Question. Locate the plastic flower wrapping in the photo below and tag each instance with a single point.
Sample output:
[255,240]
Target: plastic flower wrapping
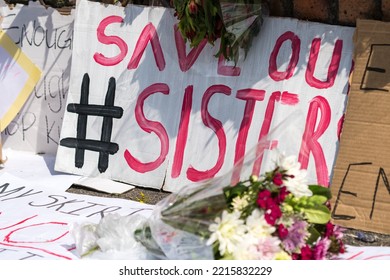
[274,216]
[235,23]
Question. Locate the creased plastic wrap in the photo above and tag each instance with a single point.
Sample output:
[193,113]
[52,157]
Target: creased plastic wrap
[179,225]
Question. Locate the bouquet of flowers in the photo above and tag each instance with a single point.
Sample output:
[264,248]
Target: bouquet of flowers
[234,23]
[273,217]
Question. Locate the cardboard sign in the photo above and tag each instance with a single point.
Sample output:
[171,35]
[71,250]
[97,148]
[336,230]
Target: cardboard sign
[18,76]
[45,37]
[360,186]
[39,229]
[145,109]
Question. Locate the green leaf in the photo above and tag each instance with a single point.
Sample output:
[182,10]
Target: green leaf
[234,191]
[318,215]
[314,235]
[320,190]
[317,199]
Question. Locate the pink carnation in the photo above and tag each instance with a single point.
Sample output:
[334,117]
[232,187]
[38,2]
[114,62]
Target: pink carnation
[321,248]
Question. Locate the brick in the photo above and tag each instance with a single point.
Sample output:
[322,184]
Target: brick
[313,10]
[349,11]
[386,10]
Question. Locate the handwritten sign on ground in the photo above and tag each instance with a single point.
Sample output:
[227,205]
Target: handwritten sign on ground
[360,186]
[145,109]
[45,37]
[18,76]
[39,229]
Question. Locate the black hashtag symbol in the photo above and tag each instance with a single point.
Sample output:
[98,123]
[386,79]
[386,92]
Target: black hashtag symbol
[107,111]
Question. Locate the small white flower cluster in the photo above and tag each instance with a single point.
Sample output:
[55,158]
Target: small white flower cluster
[245,240]
[294,177]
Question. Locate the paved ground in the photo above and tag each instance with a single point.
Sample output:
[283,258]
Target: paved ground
[351,236]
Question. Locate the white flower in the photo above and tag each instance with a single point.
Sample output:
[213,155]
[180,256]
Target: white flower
[257,226]
[245,250]
[239,203]
[294,178]
[228,231]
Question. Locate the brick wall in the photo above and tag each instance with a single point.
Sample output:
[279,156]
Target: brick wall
[342,12]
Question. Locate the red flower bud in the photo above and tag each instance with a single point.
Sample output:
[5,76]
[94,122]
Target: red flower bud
[283,193]
[277,180]
[192,7]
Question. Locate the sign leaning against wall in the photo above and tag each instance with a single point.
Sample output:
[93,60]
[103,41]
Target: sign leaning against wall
[145,109]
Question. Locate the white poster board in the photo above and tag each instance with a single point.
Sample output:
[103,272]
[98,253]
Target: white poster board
[45,36]
[40,228]
[145,109]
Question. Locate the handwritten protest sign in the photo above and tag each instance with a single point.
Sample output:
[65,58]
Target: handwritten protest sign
[360,186]
[145,109]
[18,76]
[39,229]
[45,37]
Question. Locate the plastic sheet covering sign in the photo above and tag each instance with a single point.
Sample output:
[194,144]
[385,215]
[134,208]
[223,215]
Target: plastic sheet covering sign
[145,109]
[18,76]
[361,188]
[45,36]
[40,228]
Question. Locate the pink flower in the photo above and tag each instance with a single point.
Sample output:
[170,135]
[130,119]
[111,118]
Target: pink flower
[267,247]
[296,236]
[333,230]
[321,248]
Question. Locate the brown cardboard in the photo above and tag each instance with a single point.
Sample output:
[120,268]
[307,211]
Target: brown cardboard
[360,184]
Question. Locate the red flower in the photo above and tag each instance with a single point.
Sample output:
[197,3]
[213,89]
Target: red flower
[283,193]
[295,256]
[329,229]
[277,180]
[264,199]
[282,231]
[272,214]
[306,253]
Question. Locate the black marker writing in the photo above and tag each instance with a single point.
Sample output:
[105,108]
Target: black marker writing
[107,111]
